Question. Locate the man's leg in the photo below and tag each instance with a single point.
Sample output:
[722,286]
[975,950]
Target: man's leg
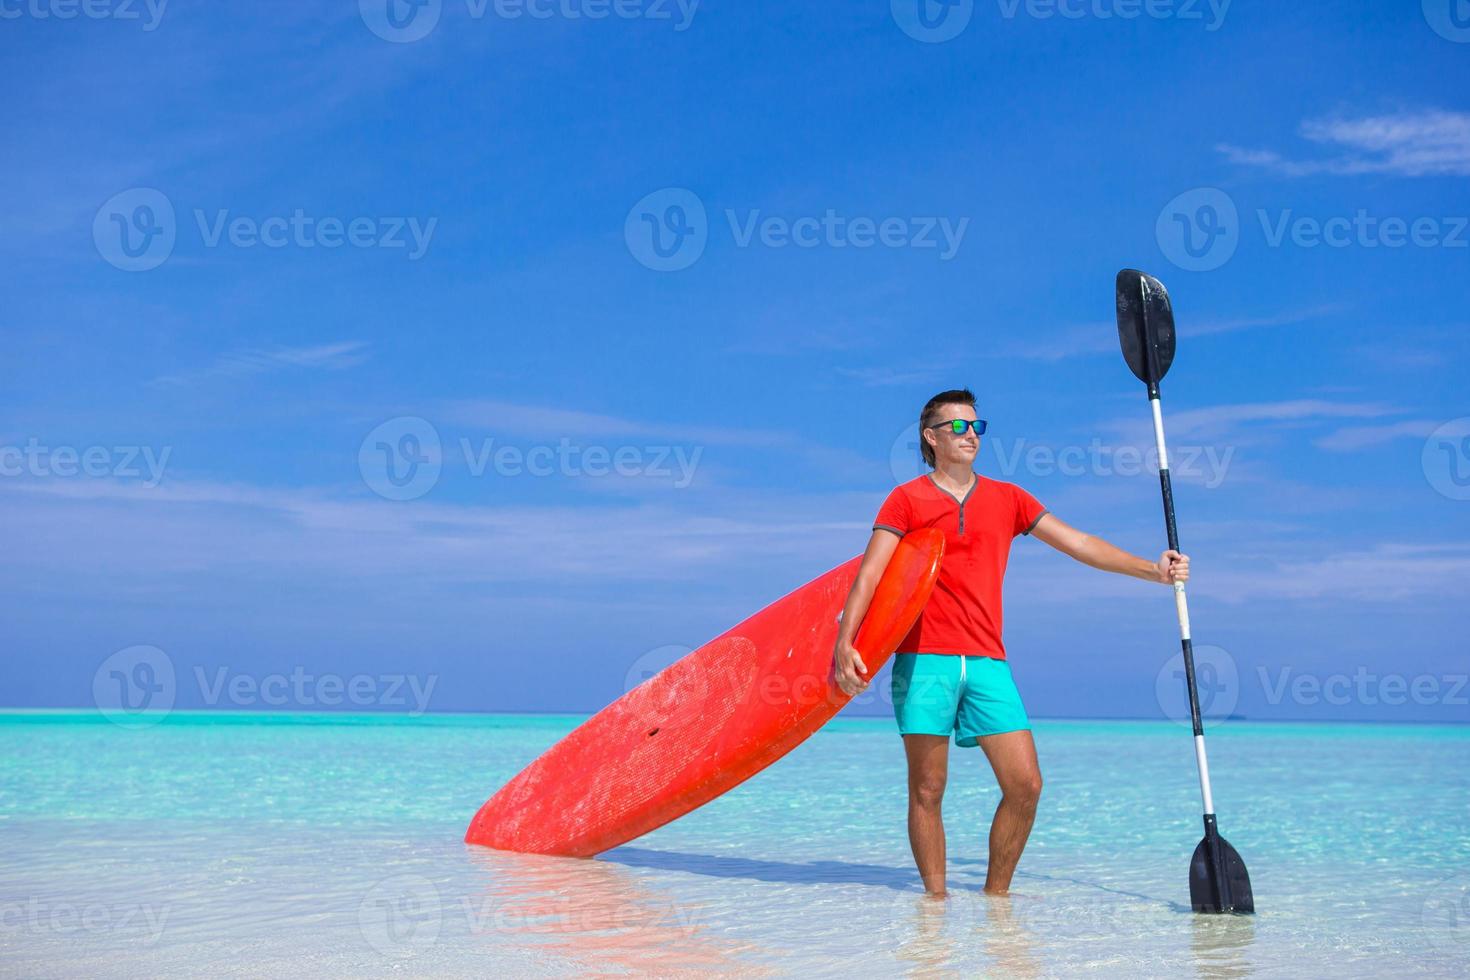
[1013,757]
[928,757]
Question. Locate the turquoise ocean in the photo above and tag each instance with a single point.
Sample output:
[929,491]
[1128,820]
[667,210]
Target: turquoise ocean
[259,845]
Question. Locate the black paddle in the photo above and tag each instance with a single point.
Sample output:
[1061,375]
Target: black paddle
[1218,881]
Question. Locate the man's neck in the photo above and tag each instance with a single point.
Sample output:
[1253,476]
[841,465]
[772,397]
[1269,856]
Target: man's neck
[954,477]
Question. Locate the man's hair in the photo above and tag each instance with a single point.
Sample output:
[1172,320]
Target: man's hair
[930,415]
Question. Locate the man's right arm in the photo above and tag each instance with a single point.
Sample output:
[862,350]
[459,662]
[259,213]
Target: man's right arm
[849,662]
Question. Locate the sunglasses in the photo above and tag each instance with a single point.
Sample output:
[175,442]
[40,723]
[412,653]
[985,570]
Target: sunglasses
[958,426]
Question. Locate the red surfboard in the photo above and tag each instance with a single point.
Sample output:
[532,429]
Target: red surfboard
[708,722]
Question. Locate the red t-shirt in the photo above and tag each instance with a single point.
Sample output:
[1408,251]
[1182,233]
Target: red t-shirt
[963,615]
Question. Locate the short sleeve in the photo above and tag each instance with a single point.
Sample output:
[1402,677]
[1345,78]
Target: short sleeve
[1028,511]
[896,514]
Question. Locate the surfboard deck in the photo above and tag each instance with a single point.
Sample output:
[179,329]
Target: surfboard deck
[708,722]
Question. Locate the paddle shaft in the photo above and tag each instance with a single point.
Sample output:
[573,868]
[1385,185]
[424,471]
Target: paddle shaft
[1181,606]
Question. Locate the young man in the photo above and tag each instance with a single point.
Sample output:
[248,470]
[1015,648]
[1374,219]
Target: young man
[950,673]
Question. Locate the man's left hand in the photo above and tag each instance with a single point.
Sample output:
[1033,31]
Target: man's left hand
[1173,566]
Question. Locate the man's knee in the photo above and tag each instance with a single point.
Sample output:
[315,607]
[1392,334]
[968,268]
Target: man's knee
[1025,790]
[927,791]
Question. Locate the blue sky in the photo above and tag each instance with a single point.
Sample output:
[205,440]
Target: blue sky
[449,219]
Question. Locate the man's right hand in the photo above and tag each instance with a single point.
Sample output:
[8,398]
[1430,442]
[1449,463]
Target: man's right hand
[851,670]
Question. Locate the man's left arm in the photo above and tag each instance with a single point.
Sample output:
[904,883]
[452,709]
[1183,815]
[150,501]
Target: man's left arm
[1091,550]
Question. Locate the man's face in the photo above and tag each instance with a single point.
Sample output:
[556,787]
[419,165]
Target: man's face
[948,446]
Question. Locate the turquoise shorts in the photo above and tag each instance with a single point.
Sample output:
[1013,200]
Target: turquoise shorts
[939,693]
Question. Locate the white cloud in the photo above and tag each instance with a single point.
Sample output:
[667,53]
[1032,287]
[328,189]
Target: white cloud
[1409,144]
[1351,438]
[328,357]
[1390,572]
[1228,421]
[1102,336]
[121,531]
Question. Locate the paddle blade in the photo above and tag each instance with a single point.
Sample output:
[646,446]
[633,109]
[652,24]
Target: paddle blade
[1208,895]
[1145,325]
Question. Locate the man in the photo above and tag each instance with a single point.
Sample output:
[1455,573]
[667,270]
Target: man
[950,673]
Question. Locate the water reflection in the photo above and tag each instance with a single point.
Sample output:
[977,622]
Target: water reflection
[595,913]
[1219,944]
[1008,942]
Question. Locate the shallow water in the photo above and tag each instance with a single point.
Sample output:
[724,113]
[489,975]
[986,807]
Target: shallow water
[330,845]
